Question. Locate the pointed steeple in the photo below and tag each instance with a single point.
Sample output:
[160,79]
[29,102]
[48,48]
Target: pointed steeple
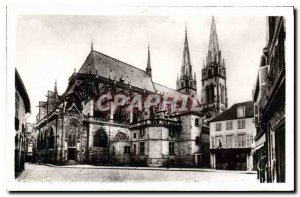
[92,46]
[186,69]
[55,87]
[213,46]
[186,83]
[148,69]
[214,53]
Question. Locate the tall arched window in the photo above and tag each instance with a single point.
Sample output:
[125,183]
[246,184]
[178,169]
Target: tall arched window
[51,139]
[222,94]
[207,94]
[38,146]
[72,135]
[100,138]
[209,73]
[44,139]
[41,142]
[212,93]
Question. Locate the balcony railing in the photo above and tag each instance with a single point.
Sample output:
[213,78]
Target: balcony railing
[105,120]
[156,122]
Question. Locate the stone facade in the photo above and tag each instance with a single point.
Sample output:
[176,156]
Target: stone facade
[269,103]
[231,138]
[22,107]
[71,129]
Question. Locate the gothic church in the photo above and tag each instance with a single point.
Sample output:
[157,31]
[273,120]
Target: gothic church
[70,129]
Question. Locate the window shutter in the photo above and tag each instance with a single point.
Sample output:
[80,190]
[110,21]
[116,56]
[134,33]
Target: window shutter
[223,141]
[235,142]
[175,147]
[247,140]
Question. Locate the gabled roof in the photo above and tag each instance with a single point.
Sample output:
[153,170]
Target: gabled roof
[231,113]
[108,67]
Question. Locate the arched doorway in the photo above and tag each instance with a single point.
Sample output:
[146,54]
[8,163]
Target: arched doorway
[100,144]
[72,136]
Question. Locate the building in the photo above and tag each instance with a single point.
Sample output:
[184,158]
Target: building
[71,128]
[22,108]
[29,142]
[269,104]
[214,89]
[231,138]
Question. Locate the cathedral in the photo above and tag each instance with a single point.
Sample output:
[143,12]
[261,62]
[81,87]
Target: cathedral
[70,128]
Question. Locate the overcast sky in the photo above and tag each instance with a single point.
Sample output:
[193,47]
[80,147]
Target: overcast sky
[49,48]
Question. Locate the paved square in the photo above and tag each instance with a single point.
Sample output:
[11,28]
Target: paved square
[86,173]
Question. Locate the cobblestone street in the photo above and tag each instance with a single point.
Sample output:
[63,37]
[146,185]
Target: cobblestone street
[87,173]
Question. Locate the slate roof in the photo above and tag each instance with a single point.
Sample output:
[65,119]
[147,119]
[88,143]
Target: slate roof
[108,67]
[164,90]
[231,113]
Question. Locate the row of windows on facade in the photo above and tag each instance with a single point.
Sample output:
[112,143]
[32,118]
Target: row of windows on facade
[172,131]
[127,149]
[240,141]
[229,125]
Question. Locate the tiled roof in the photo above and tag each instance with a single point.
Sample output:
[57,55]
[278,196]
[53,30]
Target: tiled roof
[231,113]
[112,68]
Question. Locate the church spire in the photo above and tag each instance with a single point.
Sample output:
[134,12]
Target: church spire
[186,83]
[148,69]
[186,69]
[214,54]
[55,87]
[213,38]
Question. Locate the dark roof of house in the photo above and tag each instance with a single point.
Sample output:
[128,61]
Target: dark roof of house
[231,113]
[22,91]
[108,67]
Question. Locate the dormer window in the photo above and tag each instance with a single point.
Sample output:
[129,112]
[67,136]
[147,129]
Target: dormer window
[241,112]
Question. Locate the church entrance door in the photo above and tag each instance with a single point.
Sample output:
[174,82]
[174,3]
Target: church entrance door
[71,153]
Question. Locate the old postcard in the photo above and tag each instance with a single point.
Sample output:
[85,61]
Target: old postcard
[150,98]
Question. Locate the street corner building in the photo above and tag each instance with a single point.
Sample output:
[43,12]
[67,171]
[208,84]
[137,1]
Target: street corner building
[231,138]
[22,108]
[269,105]
[70,129]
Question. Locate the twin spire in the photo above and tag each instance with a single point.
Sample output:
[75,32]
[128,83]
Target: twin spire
[186,69]
[213,46]
[214,53]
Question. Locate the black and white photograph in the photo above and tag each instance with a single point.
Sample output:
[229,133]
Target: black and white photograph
[150,99]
